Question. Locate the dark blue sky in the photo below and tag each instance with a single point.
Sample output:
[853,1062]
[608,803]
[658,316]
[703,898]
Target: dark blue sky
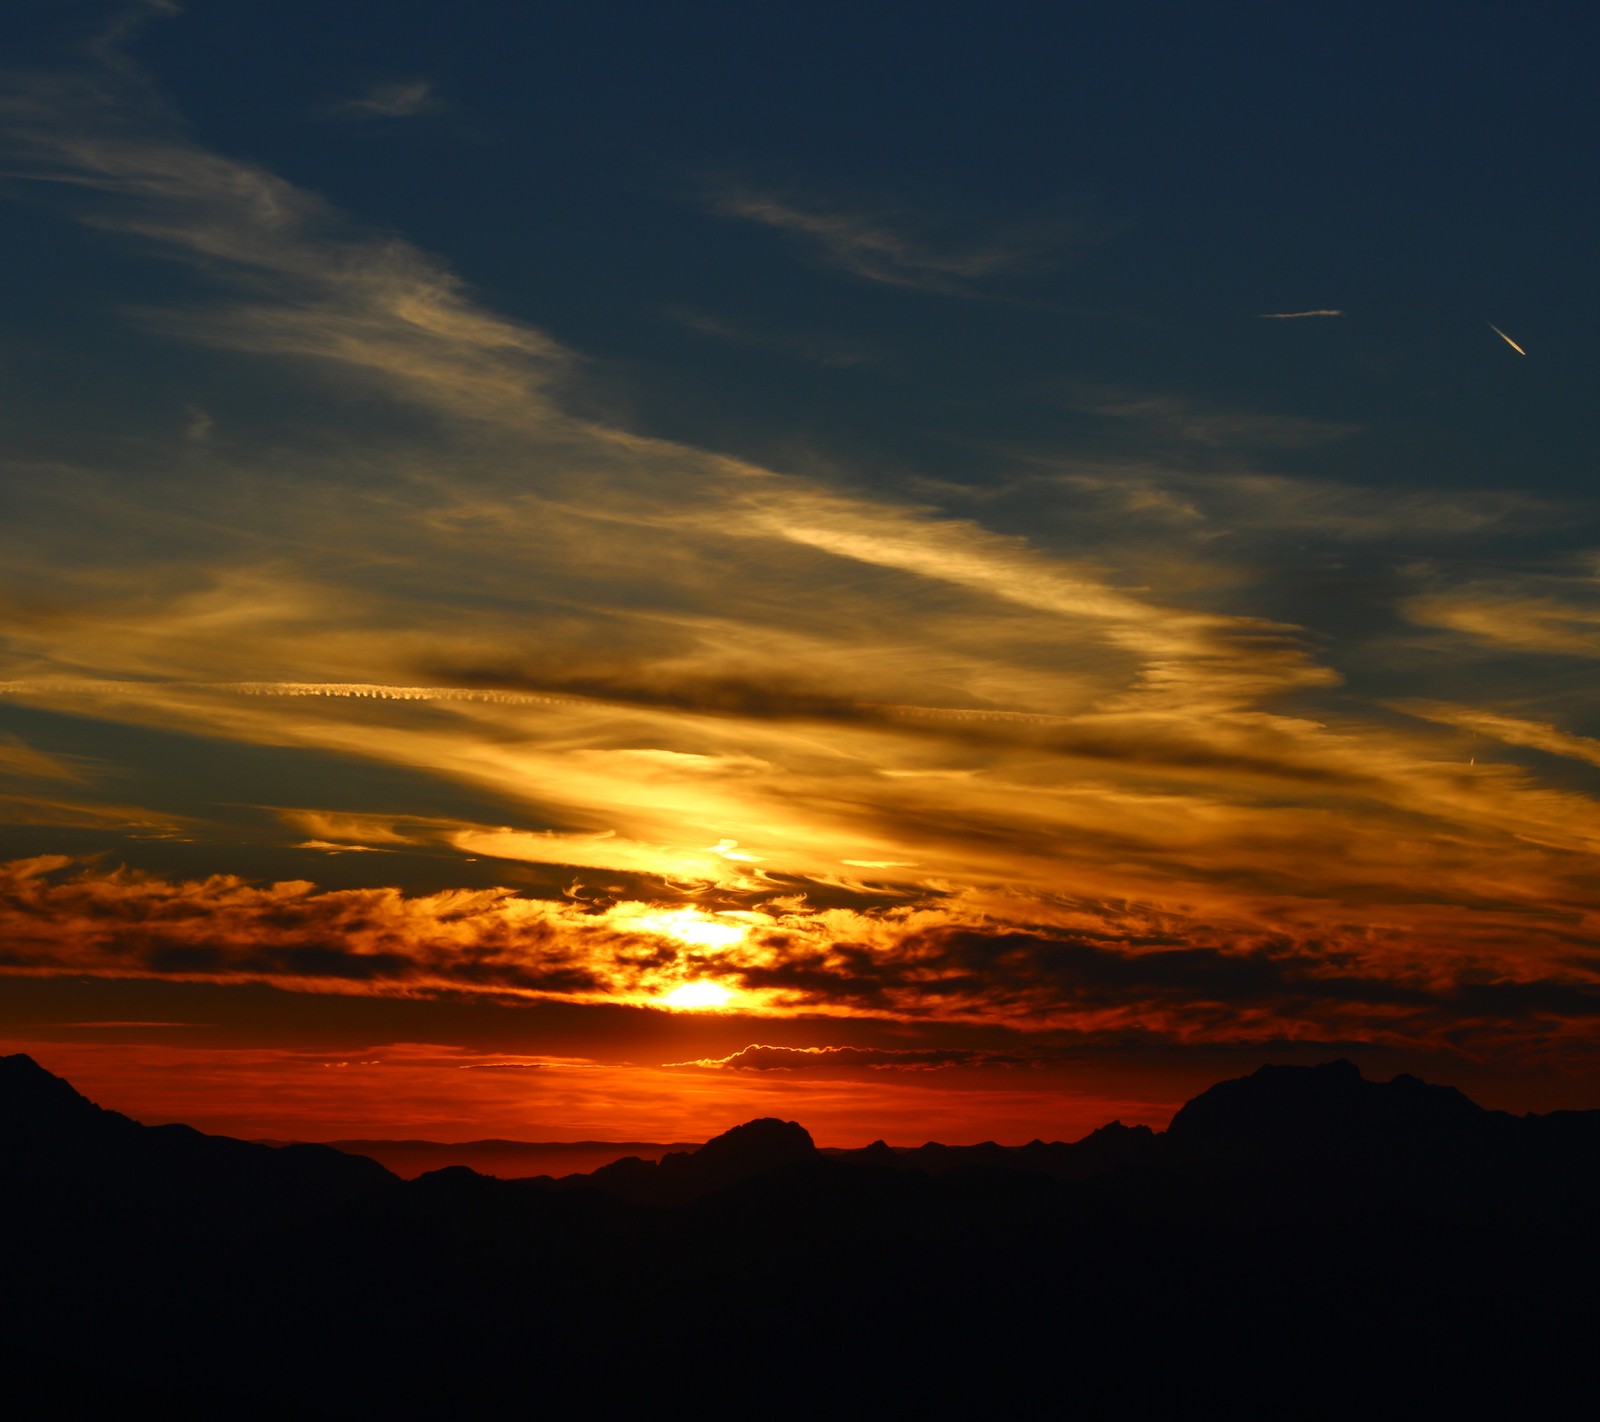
[1162,174]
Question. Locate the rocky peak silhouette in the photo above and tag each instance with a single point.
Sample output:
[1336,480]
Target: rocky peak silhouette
[1329,1112]
[62,1142]
[735,1156]
[36,1105]
[762,1144]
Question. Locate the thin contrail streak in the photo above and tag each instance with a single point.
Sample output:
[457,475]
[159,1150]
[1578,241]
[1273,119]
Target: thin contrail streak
[369,691]
[375,691]
[1507,339]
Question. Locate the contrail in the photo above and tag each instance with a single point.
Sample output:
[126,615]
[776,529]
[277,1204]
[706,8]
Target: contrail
[367,691]
[1507,339]
[1295,315]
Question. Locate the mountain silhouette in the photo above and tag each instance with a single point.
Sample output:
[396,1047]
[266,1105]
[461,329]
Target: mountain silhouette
[56,1138]
[1299,1241]
[1111,1147]
[509,1160]
[1322,1112]
[40,1109]
[735,1156]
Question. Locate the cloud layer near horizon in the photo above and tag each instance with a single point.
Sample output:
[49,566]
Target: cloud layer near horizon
[1098,972]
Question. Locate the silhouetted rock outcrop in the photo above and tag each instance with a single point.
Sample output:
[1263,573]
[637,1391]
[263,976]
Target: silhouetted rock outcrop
[1326,1113]
[39,1109]
[735,1156]
[57,1140]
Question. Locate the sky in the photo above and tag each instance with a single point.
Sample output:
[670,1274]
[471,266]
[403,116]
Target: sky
[596,571]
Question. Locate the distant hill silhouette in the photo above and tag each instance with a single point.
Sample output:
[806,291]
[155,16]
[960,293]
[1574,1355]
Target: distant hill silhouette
[1323,1113]
[576,1163]
[740,1154]
[1300,1242]
[508,1160]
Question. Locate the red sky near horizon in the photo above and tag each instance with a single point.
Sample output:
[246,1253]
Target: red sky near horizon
[520,628]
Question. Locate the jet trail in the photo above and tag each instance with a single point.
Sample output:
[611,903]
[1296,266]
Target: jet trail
[1507,339]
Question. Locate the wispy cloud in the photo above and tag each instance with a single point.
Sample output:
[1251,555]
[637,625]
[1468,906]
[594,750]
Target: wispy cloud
[20,760]
[395,99]
[812,347]
[887,248]
[757,1057]
[1533,617]
[109,43]
[1511,730]
[314,286]
[1135,498]
[1297,315]
[1175,417]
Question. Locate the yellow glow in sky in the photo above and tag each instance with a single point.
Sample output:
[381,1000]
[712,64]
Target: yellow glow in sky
[690,926]
[698,997]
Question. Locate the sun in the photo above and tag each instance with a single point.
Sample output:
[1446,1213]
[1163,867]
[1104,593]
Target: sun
[698,997]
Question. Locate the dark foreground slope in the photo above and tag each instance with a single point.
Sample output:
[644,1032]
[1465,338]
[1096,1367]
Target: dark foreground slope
[1300,1242]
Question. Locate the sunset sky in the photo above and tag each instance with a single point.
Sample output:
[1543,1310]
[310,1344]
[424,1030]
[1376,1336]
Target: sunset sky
[596,571]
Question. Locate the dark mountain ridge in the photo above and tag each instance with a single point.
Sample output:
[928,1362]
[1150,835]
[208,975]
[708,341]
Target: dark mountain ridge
[51,1136]
[1279,1113]
[1298,1240]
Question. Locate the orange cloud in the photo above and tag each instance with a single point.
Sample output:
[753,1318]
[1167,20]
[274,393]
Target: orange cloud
[834,1059]
[1098,972]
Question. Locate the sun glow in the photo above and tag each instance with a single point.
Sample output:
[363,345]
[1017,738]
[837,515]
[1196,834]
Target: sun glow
[698,997]
[691,927]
